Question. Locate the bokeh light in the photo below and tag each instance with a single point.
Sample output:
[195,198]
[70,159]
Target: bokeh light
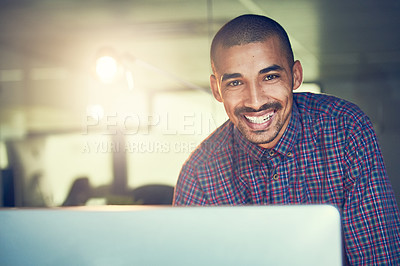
[106,69]
[95,111]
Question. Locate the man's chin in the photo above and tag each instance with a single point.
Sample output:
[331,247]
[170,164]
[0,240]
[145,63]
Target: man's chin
[258,141]
[258,137]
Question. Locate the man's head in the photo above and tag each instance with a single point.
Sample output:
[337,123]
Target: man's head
[247,29]
[254,75]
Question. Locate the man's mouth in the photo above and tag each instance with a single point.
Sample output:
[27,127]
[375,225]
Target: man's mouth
[259,119]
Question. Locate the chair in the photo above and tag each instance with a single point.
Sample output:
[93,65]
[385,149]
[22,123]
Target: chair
[155,194]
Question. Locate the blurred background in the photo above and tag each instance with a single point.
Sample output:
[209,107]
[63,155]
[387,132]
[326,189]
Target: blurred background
[102,101]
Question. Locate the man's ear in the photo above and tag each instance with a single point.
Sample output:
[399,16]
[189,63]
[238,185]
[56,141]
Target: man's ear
[297,74]
[215,88]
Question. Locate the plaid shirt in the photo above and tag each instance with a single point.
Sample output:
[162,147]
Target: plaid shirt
[328,154]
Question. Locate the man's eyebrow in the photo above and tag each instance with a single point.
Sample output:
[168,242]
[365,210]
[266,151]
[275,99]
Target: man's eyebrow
[230,76]
[270,68]
[274,67]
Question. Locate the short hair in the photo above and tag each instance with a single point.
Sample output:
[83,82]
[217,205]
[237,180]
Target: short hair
[247,29]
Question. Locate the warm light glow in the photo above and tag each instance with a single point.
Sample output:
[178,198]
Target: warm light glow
[129,80]
[106,68]
[95,111]
[3,156]
[309,87]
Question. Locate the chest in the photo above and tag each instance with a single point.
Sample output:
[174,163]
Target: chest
[309,174]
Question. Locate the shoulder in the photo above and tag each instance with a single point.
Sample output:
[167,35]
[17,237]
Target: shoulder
[327,106]
[215,145]
[188,190]
[332,116]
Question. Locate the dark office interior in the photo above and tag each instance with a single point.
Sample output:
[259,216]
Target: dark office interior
[70,139]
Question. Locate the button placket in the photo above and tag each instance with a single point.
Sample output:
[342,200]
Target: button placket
[275,177]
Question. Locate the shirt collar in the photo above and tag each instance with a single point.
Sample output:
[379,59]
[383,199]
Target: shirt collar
[291,135]
[248,147]
[285,145]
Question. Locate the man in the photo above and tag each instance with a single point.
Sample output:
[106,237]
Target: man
[283,148]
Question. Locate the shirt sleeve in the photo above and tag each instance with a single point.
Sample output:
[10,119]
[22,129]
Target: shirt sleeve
[188,191]
[371,223]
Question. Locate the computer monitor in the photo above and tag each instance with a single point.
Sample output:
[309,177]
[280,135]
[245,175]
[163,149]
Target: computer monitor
[245,235]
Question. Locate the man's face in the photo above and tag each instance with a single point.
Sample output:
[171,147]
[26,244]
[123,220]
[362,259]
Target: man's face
[255,83]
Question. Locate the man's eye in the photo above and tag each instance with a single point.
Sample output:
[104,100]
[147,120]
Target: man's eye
[234,83]
[271,77]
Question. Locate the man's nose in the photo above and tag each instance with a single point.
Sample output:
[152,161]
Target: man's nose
[253,97]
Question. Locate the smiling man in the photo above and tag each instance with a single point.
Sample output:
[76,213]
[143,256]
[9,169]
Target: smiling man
[255,83]
[283,148]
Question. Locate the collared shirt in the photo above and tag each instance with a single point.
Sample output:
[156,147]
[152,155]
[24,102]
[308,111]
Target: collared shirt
[328,154]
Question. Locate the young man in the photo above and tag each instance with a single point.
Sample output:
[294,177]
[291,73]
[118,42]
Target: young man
[283,148]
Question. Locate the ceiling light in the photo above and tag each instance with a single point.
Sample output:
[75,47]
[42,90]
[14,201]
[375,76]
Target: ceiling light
[106,68]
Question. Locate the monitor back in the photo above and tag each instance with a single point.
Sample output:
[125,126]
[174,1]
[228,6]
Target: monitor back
[263,235]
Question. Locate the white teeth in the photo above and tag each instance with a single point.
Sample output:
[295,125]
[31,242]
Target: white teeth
[258,119]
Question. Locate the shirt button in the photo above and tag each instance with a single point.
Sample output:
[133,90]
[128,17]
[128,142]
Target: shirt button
[271,153]
[290,154]
[275,177]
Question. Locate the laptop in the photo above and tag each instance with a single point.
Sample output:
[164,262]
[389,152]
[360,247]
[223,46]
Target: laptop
[243,235]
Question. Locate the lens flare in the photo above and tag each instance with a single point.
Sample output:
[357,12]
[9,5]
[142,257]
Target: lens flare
[106,69]
[95,111]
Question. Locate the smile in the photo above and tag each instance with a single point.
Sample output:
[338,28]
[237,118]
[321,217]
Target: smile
[259,119]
